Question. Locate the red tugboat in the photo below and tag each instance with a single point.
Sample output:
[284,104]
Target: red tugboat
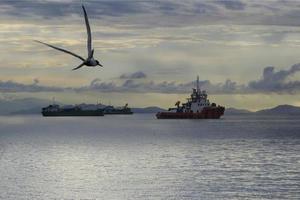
[196,107]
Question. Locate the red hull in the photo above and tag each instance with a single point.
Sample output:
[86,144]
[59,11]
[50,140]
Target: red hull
[207,113]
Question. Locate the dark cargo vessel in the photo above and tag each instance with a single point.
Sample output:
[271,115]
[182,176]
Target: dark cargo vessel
[57,111]
[110,110]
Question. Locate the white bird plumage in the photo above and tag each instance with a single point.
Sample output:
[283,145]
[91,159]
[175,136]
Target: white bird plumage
[89,61]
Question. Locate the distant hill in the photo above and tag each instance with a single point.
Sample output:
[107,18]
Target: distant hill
[34,105]
[280,110]
[152,109]
[31,111]
[22,106]
[36,110]
[235,111]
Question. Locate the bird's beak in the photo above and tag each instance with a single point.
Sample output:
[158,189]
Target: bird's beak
[100,65]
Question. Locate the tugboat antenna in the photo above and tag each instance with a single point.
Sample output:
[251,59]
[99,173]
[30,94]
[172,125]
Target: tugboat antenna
[198,87]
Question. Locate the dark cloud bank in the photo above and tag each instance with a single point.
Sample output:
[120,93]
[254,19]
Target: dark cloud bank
[136,75]
[271,82]
[160,13]
[14,87]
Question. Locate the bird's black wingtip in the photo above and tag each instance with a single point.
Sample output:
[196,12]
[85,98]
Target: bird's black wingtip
[38,41]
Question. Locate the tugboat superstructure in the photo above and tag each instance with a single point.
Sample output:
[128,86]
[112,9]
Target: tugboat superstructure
[196,107]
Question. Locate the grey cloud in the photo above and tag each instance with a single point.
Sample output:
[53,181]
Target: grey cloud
[170,87]
[135,75]
[166,13]
[54,9]
[274,38]
[97,84]
[45,9]
[232,4]
[273,81]
[145,14]
[14,87]
[120,8]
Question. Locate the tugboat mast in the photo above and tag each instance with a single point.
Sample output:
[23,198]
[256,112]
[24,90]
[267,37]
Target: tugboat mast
[198,87]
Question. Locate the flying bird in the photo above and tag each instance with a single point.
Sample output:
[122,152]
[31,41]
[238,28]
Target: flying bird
[89,61]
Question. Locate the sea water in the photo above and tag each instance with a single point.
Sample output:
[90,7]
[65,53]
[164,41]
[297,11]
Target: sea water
[140,157]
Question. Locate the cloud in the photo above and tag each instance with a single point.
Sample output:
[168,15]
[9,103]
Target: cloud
[127,24]
[145,14]
[271,82]
[135,75]
[97,84]
[232,4]
[129,85]
[55,9]
[29,9]
[278,82]
[169,87]
[14,87]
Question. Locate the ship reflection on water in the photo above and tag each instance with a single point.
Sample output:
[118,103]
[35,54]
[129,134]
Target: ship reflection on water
[139,157]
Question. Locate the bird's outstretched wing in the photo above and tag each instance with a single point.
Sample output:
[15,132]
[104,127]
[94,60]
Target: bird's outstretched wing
[88,29]
[60,49]
[81,65]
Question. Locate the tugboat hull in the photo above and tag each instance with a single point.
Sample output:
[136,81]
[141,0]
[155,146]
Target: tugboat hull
[206,113]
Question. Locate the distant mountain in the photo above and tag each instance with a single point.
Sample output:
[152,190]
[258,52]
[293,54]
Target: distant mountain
[36,110]
[152,109]
[30,111]
[34,105]
[22,106]
[235,111]
[280,110]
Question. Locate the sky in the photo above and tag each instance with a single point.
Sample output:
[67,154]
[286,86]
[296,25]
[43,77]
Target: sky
[246,53]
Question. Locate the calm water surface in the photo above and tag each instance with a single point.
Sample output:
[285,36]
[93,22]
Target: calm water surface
[139,157]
